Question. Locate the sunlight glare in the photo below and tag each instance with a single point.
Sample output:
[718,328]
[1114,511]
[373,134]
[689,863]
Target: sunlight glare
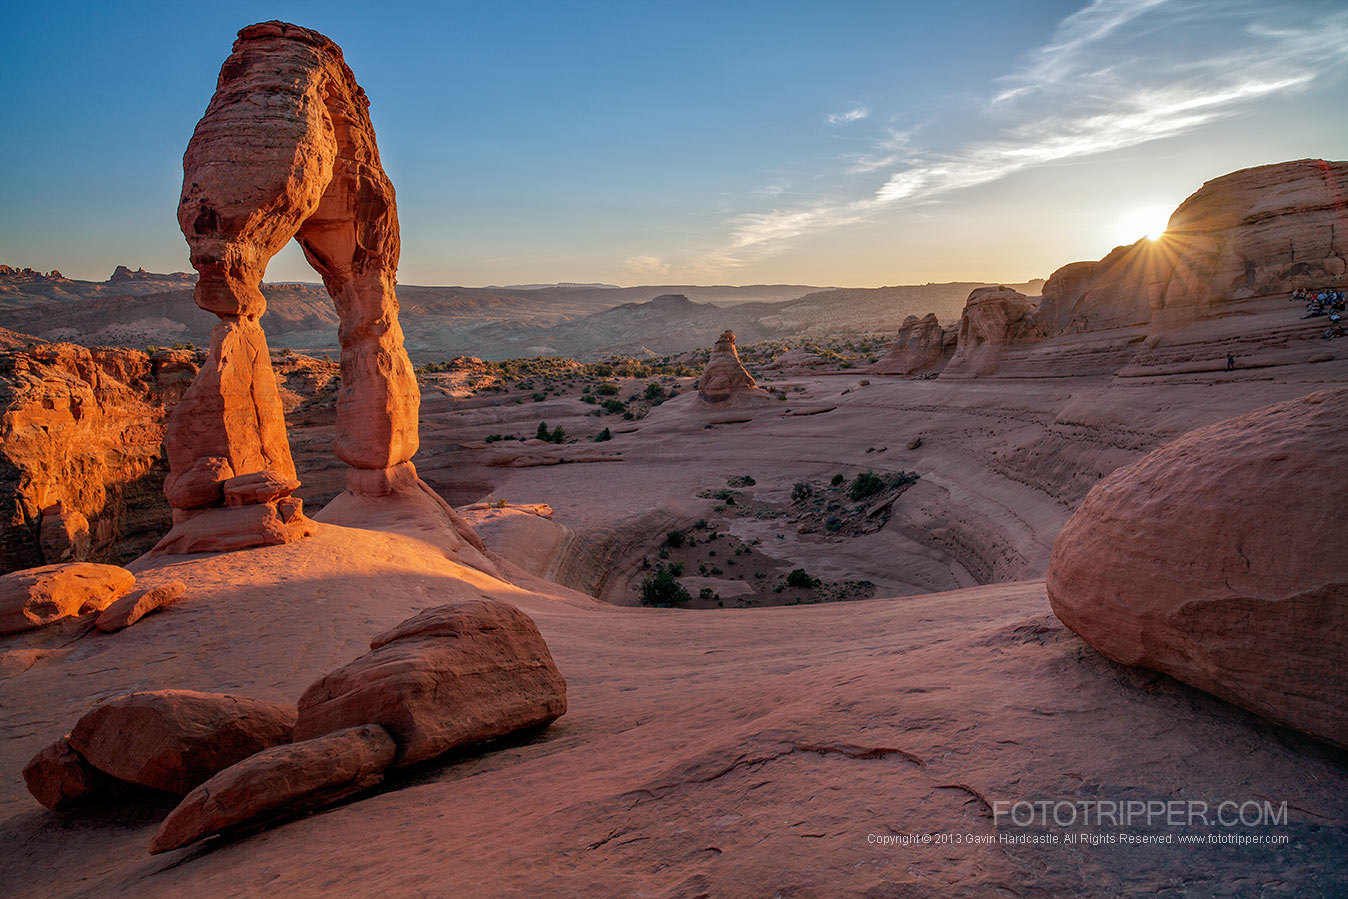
[1145,221]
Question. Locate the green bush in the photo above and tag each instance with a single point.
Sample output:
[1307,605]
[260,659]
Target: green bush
[603,435]
[614,406]
[743,480]
[608,388]
[800,578]
[654,391]
[663,589]
[802,491]
[866,484]
[837,479]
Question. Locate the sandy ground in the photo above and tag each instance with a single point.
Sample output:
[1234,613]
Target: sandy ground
[729,752]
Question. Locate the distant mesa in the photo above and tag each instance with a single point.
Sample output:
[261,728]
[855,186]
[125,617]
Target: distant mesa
[725,380]
[1214,559]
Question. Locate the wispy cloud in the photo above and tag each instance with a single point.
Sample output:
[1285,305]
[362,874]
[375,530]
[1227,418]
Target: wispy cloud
[1115,74]
[647,266]
[855,114]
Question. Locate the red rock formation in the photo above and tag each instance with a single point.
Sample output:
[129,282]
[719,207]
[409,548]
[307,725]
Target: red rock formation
[921,345]
[259,171]
[136,605]
[1258,231]
[995,317]
[281,782]
[1217,560]
[452,676]
[59,777]
[81,433]
[36,596]
[173,740]
[725,378]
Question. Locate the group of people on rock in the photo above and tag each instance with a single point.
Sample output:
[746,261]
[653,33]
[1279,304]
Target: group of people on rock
[1328,302]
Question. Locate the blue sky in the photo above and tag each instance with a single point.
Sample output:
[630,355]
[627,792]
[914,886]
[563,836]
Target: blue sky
[843,143]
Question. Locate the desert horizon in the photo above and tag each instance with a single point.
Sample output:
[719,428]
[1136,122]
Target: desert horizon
[322,573]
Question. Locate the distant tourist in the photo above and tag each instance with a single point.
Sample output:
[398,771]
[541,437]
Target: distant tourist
[1230,362]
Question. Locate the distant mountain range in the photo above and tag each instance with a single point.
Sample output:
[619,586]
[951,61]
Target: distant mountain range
[139,308]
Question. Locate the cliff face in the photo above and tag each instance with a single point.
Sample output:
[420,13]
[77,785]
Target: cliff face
[1259,231]
[81,441]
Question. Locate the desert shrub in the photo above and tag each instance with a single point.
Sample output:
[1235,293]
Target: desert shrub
[802,491]
[603,435]
[706,593]
[603,370]
[676,539]
[834,523]
[654,391]
[556,436]
[540,397]
[866,484]
[663,589]
[614,406]
[801,578]
[837,479]
[743,480]
[608,388]
[587,398]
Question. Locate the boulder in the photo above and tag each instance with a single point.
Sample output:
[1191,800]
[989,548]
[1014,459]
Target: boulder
[258,487]
[1217,559]
[452,676]
[137,604]
[280,782]
[59,777]
[37,596]
[173,740]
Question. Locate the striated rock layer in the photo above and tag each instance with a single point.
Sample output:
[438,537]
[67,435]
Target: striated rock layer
[1215,559]
[286,150]
[921,345]
[81,436]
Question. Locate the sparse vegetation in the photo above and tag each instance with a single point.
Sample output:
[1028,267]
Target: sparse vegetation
[741,481]
[663,589]
[865,485]
[603,435]
[799,577]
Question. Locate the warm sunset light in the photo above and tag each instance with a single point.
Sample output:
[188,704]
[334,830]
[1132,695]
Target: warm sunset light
[1145,221]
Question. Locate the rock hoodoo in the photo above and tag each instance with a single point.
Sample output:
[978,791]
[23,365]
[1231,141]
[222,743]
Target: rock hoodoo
[1215,559]
[285,150]
[922,345]
[725,377]
[995,317]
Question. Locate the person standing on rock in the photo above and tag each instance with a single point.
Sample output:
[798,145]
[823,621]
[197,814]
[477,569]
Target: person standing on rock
[1230,362]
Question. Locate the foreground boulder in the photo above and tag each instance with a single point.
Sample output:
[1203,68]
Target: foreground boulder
[37,596]
[281,782]
[59,777]
[173,740]
[452,676]
[1217,559]
[137,604]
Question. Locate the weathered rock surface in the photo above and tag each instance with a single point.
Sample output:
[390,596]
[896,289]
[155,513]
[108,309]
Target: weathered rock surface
[81,433]
[994,318]
[1258,231]
[36,596]
[173,740]
[921,345]
[59,777]
[1215,559]
[725,378]
[452,676]
[137,604]
[281,782]
[230,528]
[286,150]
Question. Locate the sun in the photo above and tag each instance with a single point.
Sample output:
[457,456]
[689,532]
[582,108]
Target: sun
[1144,221]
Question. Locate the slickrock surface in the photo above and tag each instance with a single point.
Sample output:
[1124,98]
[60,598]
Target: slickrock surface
[34,597]
[724,380]
[452,676]
[137,604]
[921,345]
[1216,559]
[81,433]
[281,782]
[172,740]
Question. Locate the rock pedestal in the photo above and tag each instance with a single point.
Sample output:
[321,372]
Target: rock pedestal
[285,150]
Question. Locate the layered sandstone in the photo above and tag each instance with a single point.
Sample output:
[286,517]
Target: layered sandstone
[994,318]
[1216,559]
[81,436]
[286,150]
[725,379]
[1259,231]
[922,345]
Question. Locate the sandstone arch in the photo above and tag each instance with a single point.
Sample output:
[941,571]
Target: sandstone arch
[286,150]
